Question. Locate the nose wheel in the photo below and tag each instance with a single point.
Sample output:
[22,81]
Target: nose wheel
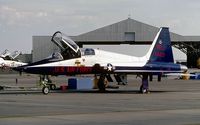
[45,90]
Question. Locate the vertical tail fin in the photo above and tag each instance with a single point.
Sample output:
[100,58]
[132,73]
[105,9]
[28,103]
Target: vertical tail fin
[161,50]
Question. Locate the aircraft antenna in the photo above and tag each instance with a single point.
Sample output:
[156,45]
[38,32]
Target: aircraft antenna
[129,16]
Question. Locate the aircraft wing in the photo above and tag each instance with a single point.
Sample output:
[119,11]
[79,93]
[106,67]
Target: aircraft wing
[179,74]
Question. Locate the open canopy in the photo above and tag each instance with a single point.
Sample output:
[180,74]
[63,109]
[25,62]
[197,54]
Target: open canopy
[63,41]
[69,49]
[14,54]
[5,53]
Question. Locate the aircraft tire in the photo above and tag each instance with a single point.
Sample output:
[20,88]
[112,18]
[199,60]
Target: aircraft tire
[142,90]
[45,90]
[101,84]
[1,87]
[101,87]
[52,86]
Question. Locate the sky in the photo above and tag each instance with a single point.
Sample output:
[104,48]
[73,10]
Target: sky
[22,19]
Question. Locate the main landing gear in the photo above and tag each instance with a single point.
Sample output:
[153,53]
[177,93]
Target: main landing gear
[144,88]
[101,84]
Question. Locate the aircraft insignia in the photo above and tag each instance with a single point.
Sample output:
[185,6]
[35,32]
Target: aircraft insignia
[110,67]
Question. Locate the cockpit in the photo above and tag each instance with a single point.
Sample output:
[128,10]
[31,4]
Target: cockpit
[87,51]
[69,49]
[56,56]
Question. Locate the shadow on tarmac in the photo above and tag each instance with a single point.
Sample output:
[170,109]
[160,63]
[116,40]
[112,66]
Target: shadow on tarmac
[83,91]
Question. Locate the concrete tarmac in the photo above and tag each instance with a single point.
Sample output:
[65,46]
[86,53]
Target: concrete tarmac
[171,102]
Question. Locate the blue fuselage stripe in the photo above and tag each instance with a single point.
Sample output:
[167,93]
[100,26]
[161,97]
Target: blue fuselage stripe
[70,70]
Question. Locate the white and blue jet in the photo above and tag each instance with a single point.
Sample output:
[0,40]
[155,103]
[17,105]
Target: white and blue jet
[73,61]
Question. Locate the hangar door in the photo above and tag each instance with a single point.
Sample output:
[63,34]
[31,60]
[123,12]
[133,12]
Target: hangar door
[129,36]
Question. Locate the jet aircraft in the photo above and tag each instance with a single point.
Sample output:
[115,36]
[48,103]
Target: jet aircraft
[8,60]
[75,61]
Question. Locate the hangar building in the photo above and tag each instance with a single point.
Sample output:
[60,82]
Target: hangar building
[127,31]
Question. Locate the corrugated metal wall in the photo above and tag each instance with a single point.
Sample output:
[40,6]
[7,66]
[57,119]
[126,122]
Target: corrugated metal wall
[42,47]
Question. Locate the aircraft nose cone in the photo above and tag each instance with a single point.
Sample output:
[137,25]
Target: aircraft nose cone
[184,68]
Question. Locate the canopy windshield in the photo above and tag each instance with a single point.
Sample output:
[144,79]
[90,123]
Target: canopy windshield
[63,42]
[5,53]
[69,49]
[14,54]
